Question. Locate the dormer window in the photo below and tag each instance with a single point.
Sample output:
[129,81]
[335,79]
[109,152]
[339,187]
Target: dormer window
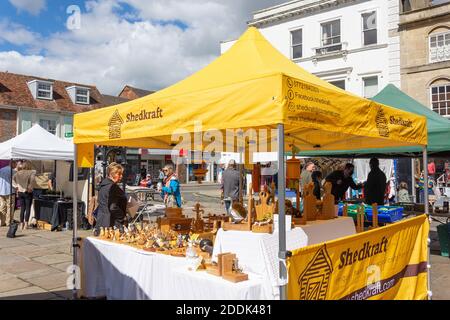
[79,95]
[41,89]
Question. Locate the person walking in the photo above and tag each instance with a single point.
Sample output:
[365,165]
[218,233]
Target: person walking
[23,181]
[170,190]
[341,180]
[375,186]
[230,185]
[7,194]
[112,202]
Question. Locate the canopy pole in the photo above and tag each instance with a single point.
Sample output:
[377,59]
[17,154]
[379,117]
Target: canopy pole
[413,180]
[74,217]
[427,212]
[282,254]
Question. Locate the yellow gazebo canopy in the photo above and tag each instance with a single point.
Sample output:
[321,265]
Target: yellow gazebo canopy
[252,85]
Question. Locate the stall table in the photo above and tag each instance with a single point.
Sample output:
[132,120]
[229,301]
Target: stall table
[56,212]
[258,252]
[118,271]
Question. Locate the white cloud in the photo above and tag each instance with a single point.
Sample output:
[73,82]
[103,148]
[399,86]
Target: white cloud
[111,51]
[16,34]
[33,7]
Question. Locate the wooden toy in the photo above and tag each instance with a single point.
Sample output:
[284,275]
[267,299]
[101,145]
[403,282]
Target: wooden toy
[245,225]
[217,269]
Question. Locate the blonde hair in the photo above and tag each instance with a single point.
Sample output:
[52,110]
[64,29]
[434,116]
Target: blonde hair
[26,165]
[114,168]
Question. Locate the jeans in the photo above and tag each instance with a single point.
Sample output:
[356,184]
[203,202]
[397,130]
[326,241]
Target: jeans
[25,199]
[228,204]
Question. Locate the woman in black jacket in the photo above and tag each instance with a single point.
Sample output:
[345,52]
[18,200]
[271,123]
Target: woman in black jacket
[112,202]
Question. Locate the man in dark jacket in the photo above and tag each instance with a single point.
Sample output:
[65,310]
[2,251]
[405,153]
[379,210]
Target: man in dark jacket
[112,202]
[230,185]
[341,180]
[375,186]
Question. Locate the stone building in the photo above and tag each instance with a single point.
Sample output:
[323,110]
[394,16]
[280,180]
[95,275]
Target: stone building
[424,29]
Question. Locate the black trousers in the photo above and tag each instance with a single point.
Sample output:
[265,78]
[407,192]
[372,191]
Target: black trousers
[25,199]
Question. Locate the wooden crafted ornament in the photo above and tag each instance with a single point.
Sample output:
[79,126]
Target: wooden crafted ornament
[227,269]
[264,209]
[198,224]
[309,203]
[217,270]
[328,208]
[245,225]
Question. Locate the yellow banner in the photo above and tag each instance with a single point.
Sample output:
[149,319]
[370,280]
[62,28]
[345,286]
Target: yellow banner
[382,264]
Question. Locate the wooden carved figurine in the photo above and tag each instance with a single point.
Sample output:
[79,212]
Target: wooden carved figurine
[309,203]
[264,210]
[102,232]
[198,224]
[328,208]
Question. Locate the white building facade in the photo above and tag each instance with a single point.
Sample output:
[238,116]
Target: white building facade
[351,44]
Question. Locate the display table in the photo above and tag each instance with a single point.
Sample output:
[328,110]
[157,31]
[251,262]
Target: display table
[258,253]
[325,230]
[56,212]
[118,271]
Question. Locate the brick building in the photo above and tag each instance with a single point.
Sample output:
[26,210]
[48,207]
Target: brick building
[27,100]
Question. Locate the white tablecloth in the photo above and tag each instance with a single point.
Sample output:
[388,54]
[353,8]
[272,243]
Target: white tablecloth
[122,272]
[325,230]
[258,253]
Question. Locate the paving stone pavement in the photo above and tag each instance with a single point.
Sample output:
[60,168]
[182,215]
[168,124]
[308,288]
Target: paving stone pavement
[33,265]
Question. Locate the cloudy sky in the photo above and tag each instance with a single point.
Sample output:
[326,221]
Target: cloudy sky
[149,44]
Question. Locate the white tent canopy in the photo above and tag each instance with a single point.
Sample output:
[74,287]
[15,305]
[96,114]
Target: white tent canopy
[36,144]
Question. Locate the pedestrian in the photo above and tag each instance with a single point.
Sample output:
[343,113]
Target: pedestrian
[341,180]
[230,185]
[23,181]
[316,177]
[7,194]
[403,194]
[143,172]
[375,186]
[170,190]
[112,202]
[147,182]
[431,169]
[305,176]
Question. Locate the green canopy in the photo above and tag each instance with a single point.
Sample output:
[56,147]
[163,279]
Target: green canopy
[438,130]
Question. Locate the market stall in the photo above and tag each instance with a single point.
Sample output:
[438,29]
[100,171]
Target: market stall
[253,87]
[38,144]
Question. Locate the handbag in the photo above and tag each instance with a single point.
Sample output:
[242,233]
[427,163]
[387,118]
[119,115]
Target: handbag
[12,229]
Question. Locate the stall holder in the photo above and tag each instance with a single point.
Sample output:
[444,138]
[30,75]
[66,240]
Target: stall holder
[237,91]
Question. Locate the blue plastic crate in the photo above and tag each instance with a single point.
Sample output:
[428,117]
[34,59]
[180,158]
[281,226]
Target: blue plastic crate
[392,215]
